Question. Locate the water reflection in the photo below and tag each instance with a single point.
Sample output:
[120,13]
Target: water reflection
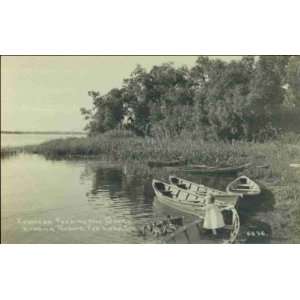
[111,189]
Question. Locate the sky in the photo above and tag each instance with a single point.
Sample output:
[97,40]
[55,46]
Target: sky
[45,93]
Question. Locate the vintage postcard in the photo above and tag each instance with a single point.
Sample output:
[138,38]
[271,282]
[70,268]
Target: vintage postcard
[150,149]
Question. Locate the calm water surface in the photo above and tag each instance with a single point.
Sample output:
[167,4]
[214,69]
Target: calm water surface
[47,201]
[15,140]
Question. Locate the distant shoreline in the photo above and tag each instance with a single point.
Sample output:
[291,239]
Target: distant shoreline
[42,132]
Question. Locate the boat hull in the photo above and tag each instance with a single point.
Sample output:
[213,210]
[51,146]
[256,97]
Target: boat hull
[189,208]
[215,171]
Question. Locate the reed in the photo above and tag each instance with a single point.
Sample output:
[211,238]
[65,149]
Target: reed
[7,152]
[123,146]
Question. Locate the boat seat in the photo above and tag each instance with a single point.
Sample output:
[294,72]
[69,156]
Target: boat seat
[243,187]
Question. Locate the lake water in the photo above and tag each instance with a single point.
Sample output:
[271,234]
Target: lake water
[47,201]
[76,201]
[13,140]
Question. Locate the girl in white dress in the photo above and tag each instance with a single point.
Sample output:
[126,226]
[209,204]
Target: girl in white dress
[213,217]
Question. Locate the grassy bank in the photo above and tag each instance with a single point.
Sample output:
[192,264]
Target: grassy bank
[10,151]
[280,180]
[126,147]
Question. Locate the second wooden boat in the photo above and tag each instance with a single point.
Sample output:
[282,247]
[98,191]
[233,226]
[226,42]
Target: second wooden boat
[203,169]
[243,185]
[181,199]
[230,198]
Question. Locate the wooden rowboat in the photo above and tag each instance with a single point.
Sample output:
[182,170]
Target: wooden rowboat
[201,189]
[170,163]
[243,185]
[182,200]
[193,233]
[203,169]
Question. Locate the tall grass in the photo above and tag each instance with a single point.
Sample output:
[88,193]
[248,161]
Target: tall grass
[9,151]
[124,146]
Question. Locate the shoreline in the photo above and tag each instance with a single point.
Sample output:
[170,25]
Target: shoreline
[281,182]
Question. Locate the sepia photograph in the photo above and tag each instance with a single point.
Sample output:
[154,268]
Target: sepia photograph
[150,149]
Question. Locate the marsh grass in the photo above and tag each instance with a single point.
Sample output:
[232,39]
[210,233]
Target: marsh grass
[7,152]
[129,148]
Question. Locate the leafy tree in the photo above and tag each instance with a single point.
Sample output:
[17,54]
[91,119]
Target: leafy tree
[214,98]
[220,99]
[293,79]
[265,96]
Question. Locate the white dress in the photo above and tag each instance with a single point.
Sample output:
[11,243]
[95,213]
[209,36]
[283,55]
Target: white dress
[213,217]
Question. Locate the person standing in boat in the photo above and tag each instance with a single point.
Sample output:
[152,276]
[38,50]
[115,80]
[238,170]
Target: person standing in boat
[213,219]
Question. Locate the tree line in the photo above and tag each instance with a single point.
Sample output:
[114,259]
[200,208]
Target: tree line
[213,99]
